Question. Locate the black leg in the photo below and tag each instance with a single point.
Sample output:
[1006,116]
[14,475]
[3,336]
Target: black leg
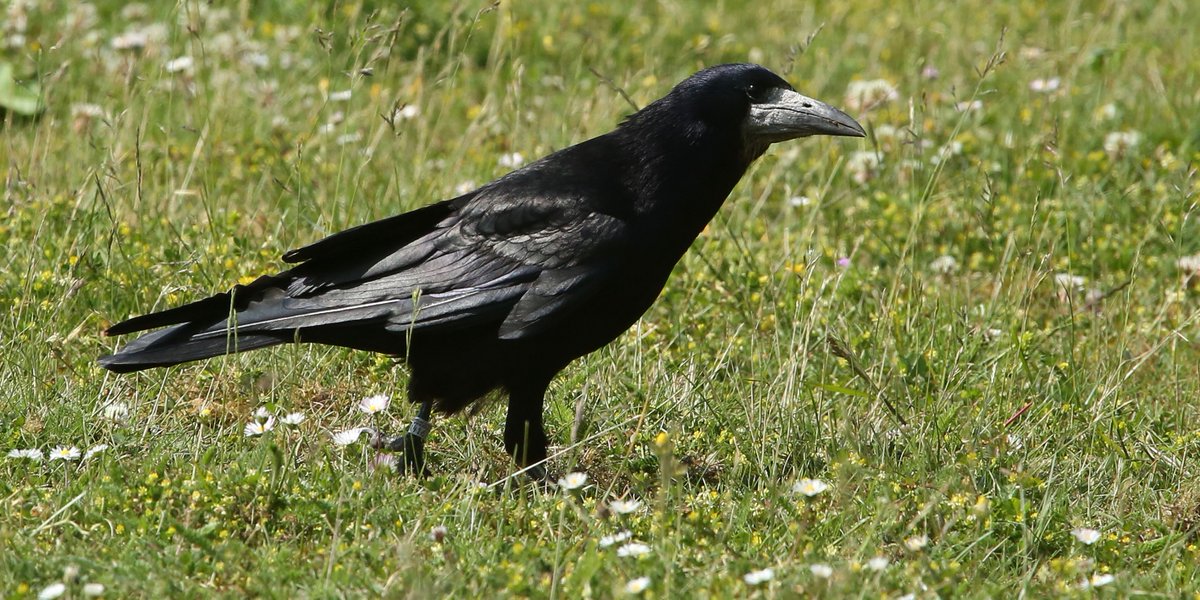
[412,443]
[524,435]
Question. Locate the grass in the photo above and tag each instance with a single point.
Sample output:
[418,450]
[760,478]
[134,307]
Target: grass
[1025,405]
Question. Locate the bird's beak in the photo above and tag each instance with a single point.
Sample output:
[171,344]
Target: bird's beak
[786,115]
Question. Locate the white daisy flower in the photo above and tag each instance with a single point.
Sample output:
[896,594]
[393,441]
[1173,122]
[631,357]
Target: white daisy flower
[261,413]
[31,453]
[878,563]
[759,577]
[821,570]
[863,165]
[341,96]
[798,201]
[810,487]
[1069,282]
[52,591]
[293,419]
[347,437]
[1045,86]
[94,450]
[573,481]
[945,265]
[511,160]
[1086,535]
[348,138]
[1097,580]
[609,540]
[374,404]
[624,507]
[438,533]
[65,453]
[407,112]
[634,549]
[93,589]
[1119,143]
[130,40]
[637,586]
[916,542]
[181,64]
[258,427]
[118,412]
[865,95]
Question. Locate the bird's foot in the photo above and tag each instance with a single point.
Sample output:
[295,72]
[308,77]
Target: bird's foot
[410,447]
[411,450]
[538,474]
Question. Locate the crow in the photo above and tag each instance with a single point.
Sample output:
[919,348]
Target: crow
[501,288]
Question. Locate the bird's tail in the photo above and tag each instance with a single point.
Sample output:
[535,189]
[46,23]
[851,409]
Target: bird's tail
[202,329]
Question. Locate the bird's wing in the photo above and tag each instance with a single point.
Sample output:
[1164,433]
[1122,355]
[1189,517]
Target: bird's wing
[574,246]
[513,258]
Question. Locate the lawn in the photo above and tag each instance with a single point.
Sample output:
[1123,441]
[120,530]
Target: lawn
[958,358]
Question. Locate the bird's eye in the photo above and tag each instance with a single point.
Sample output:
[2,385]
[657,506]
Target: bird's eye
[756,93]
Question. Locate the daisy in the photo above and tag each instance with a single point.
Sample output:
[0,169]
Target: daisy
[821,570]
[810,487]
[1086,535]
[511,160]
[437,534]
[181,64]
[624,507]
[117,412]
[609,540]
[52,591]
[408,112]
[573,481]
[1045,86]
[94,450]
[916,542]
[1097,580]
[374,404]
[261,413]
[347,437]
[130,40]
[293,419]
[65,453]
[31,453]
[863,166]
[878,563]
[945,265]
[92,590]
[1119,143]
[341,96]
[634,549]
[759,577]
[259,427]
[865,95]
[637,586]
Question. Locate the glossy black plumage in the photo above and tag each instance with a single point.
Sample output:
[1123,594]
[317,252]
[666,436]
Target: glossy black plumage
[504,286]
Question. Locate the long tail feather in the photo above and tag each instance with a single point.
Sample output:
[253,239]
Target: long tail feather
[176,345]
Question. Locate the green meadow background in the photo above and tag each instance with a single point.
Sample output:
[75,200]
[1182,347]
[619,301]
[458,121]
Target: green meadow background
[1008,261]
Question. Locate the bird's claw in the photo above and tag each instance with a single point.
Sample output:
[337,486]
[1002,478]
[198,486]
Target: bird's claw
[411,450]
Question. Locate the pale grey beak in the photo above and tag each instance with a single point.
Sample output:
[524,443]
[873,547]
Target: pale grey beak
[785,115]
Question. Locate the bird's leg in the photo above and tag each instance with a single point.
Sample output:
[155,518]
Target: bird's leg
[412,443]
[524,435]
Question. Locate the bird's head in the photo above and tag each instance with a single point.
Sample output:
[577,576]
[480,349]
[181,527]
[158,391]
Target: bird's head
[764,106]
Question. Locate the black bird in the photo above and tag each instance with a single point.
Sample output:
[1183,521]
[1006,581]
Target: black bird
[502,287]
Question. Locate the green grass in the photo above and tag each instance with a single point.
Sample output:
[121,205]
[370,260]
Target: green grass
[1029,411]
